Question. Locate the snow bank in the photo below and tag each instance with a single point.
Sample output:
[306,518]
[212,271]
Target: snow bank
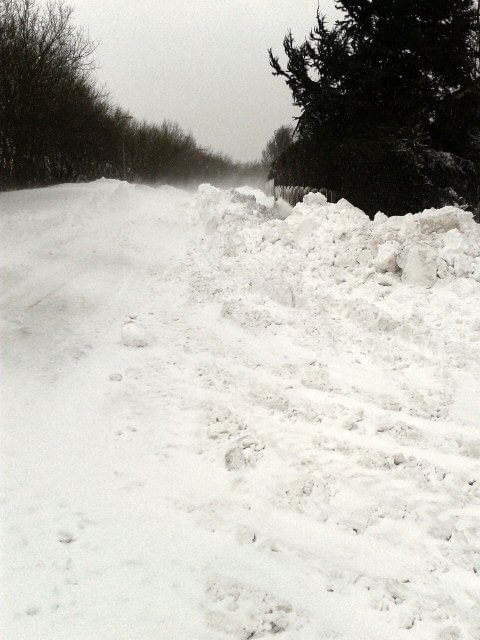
[420,249]
[373,406]
[323,250]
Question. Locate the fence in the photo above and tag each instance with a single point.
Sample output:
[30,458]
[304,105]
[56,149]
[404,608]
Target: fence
[293,195]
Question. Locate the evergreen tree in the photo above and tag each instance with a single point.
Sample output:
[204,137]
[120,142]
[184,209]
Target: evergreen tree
[389,100]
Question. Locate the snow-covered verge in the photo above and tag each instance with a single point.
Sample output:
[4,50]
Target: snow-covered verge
[221,425]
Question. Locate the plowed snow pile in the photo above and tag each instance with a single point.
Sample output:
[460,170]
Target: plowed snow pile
[222,425]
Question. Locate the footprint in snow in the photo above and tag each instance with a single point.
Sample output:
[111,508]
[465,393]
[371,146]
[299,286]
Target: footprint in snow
[243,612]
[246,535]
[244,453]
[65,537]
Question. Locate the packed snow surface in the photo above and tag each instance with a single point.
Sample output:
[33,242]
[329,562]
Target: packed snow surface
[219,424]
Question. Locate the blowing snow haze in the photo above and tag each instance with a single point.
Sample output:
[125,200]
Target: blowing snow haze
[203,64]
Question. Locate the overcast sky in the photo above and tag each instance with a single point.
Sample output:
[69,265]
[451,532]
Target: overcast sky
[202,63]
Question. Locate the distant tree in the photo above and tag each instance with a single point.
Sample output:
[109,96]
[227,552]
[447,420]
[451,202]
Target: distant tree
[389,102]
[281,140]
[57,126]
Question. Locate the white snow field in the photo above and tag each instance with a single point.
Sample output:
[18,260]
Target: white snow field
[217,424]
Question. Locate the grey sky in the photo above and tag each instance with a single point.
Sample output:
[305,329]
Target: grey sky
[202,63]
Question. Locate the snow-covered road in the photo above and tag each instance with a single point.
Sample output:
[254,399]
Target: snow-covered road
[294,450]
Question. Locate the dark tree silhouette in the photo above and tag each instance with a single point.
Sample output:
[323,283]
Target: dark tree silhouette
[389,99]
[281,140]
[56,125]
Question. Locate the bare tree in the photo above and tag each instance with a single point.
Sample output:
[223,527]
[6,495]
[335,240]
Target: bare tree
[44,62]
[56,125]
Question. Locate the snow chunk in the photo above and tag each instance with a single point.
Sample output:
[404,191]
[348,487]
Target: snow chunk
[462,265]
[439,220]
[386,259]
[134,335]
[418,264]
[454,245]
[315,198]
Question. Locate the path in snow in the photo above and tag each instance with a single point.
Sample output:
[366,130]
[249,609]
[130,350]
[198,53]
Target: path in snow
[263,465]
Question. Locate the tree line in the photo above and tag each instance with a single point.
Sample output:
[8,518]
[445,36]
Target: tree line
[390,105]
[56,125]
